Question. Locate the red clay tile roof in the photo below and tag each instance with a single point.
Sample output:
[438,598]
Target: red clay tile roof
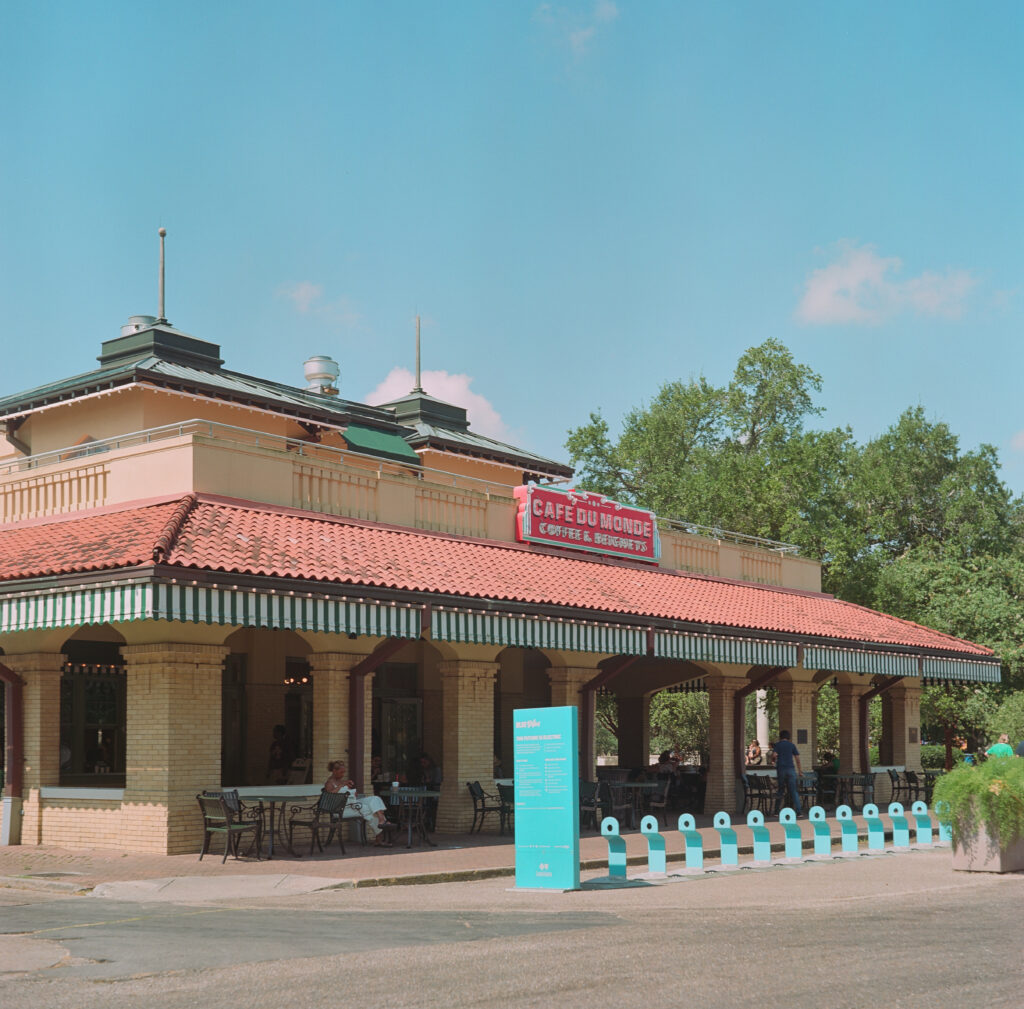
[218,535]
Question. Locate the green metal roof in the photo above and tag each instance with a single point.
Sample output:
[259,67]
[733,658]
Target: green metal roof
[373,442]
[163,356]
[443,425]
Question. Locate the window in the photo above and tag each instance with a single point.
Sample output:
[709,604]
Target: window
[92,715]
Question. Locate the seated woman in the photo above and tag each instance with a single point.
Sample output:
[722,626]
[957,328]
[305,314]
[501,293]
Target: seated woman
[754,755]
[370,807]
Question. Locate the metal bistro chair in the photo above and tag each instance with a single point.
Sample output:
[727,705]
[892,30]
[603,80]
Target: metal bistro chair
[860,789]
[588,804]
[807,789]
[483,803]
[613,802]
[897,785]
[220,818]
[507,795]
[325,815]
[659,800]
[912,786]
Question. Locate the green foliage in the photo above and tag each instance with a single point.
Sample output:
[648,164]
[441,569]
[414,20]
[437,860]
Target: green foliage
[828,720]
[1008,718]
[907,523]
[606,728]
[681,722]
[991,794]
[933,756]
[964,710]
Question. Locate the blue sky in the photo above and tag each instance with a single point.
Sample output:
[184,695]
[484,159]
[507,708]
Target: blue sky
[582,200]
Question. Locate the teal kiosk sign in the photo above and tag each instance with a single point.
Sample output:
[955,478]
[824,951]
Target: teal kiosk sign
[547,790]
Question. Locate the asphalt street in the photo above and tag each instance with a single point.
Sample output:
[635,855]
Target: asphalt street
[894,930]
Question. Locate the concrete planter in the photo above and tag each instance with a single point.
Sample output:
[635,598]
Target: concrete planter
[977,852]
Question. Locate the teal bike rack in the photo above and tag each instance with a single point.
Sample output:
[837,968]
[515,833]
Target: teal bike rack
[728,848]
[945,825]
[900,826]
[694,843]
[762,841]
[849,829]
[794,840]
[616,848]
[922,821]
[822,831]
[876,832]
[655,845]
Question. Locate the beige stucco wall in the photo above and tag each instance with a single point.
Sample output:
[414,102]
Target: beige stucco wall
[456,494]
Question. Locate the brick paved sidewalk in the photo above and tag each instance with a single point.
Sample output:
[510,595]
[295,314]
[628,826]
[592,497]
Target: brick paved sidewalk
[458,856]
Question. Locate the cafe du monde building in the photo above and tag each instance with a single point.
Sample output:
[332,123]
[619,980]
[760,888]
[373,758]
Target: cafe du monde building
[190,556]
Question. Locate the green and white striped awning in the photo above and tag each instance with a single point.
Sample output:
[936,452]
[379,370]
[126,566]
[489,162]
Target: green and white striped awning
[536,632]
[197,604]
[205,605]
[76,607]
[962,669]
[852,660]
[707,648]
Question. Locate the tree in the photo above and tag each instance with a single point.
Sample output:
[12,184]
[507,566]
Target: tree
[975,597]
[681,722]
[1008,718]
[607,728]
[731,458]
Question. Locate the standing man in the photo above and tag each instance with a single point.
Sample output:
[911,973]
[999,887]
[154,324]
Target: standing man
[787,766]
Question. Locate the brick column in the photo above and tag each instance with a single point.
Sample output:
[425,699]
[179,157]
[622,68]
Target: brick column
[41,673]
[173,743]
[566,683]
[905,713]
[330,709]
[721,790]
[634,731]
[796,713]
[849,725]
[467,689]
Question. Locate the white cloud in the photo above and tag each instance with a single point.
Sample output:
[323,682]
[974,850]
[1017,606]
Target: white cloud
[483,418]
[307,298]
[578,30]
[1017,442]
[302,294]
[860,286]
[579,38]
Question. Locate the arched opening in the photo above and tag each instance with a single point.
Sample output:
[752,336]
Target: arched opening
[93,710]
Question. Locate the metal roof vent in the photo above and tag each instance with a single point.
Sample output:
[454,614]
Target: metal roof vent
[321,373]
[137,323]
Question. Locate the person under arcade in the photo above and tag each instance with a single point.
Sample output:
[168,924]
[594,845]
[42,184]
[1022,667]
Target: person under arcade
[370,807]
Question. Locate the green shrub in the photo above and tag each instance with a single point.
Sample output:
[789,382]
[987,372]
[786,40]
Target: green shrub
[991,794]
[933,755]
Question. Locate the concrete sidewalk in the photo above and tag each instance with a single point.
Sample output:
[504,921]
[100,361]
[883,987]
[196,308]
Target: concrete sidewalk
[457,857]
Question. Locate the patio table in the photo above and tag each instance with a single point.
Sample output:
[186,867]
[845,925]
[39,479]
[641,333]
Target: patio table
[278,823]
[635,791]
[410,805]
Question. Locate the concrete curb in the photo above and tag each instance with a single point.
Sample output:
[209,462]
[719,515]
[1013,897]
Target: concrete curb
[52,885]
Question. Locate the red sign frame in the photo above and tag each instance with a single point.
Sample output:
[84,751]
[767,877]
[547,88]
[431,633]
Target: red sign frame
[583,520]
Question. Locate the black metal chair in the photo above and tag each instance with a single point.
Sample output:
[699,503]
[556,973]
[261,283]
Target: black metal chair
[860,789]
[483,803]
[220,818]
[912,786]
[807,789]
[507,797]
[897,785]
[659,799]
[588,804]
[325,815]
[613,802]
